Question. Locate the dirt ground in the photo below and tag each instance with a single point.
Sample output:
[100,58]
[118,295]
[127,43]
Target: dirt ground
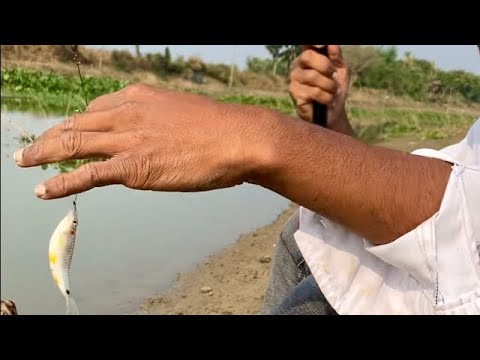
[230,282]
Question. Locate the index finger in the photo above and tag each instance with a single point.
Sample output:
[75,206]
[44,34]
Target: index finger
[89,121]
[310,59]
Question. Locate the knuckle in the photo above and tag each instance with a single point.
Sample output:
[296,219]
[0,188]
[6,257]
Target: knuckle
[130,89]
[328,98]
[135,89]
[317,94]
[310,76]
[92,105]
[62,184]
[92,173]
[72,143]
[306,57]
[130,173]
[71,123]
[34,152]
[332,86]
[327,66]
[131,108]
[130,111]
[295,74]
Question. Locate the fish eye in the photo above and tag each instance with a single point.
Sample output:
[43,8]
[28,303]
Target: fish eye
[75,222]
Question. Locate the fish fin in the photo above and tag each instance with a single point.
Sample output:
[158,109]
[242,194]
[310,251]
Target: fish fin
[72,308]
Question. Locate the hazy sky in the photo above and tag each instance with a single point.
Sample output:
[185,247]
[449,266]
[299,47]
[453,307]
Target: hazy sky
[447,57]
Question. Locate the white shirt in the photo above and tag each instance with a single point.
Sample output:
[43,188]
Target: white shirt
[434,269]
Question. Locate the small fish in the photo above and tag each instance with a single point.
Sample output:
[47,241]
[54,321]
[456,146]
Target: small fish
[60,252]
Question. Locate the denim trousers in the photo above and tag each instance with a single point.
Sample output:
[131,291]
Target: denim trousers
[292,289]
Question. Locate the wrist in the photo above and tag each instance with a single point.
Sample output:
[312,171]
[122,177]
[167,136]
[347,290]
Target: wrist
[270,147]
[339,122]
[246,153]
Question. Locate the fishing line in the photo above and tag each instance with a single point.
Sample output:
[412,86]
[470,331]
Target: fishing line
[77,61]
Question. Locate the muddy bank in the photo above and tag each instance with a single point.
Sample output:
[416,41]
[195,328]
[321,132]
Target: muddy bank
[232,281]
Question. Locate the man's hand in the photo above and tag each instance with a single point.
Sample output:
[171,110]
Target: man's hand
[315,77]
[154,140]
[169,141]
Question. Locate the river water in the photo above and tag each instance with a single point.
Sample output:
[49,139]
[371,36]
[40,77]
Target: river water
[130,244]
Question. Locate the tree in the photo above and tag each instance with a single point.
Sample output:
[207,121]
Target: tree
[259,66]
[137,50]
[361,58]
[232,69]
[290,53]
[277,53]
[168,56]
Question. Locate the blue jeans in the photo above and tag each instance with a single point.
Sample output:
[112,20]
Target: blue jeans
[292,289]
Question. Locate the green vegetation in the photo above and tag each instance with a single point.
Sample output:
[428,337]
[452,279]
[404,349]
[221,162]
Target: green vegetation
[282,104]
[55,92]
[379,68]
[69,165]
[380,125]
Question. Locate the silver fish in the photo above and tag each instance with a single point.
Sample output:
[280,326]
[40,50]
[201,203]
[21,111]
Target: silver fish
[60,252]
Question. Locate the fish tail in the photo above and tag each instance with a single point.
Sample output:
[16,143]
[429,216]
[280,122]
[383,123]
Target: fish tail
[72,308]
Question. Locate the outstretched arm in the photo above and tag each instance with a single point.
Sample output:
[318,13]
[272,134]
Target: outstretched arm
[169,141]
[379,193]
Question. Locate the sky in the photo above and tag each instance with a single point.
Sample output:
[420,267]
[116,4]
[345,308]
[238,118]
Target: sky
[446,57]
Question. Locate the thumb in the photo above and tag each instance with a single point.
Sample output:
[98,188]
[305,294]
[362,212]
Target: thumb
[335,55]
[86,177]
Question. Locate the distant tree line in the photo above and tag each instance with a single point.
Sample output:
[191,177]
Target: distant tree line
[381,68]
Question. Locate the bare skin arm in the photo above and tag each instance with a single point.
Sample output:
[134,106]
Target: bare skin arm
[379,193]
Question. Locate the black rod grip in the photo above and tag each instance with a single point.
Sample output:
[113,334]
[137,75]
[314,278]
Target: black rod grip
[320,110]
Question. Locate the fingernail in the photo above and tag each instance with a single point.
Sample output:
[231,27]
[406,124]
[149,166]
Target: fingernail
[334,75]
[17,155]
[40,190]
[339,91]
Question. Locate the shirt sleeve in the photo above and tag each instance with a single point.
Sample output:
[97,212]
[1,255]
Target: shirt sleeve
[441,254]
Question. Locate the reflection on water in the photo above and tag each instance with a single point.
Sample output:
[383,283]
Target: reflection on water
[130,244]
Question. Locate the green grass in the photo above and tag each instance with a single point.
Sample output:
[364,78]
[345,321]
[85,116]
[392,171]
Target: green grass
[284,105]
[380,125]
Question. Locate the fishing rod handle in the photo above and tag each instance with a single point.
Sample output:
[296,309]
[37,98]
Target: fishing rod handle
[320,110]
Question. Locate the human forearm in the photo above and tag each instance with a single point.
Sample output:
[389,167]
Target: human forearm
[342,125]
[381,194]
